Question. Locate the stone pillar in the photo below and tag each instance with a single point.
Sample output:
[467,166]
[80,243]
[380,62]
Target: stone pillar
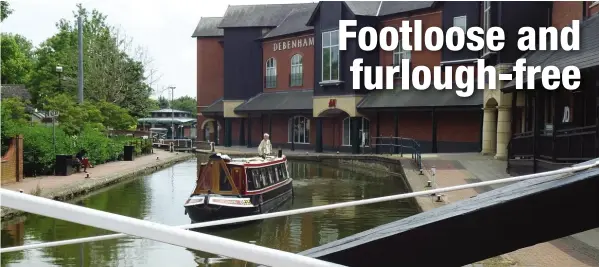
[504,131]
[489,131]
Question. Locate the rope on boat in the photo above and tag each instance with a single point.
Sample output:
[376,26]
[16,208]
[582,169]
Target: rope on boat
[155,231]
[317,208]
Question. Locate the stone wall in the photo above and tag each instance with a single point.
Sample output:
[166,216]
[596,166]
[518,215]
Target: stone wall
[12,161]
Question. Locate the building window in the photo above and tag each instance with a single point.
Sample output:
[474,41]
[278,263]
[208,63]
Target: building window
[271,73]
[486,21]
[297,72]
[398,55]
[364,133]
[299,130]
[330,56]
[460,22]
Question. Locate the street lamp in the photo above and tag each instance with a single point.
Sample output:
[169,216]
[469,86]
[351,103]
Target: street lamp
[53,114]
[59,72]
[172,88]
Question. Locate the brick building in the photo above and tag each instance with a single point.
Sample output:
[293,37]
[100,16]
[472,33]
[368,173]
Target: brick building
[278,69]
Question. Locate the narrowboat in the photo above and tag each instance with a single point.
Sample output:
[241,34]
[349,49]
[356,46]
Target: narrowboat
[227,188]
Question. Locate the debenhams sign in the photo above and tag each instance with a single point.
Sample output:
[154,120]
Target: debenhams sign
[296,43]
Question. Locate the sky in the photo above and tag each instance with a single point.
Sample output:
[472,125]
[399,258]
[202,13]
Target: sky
[163,28]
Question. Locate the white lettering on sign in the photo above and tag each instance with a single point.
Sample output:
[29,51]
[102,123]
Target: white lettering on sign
[296,43]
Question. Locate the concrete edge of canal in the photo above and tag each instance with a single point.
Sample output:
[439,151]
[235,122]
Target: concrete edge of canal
[82,188]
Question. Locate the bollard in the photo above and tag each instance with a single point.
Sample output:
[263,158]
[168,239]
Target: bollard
[337,152]
[421,172]
[157,158]
[429,184]
[20,190]
[439,198]
[87,175]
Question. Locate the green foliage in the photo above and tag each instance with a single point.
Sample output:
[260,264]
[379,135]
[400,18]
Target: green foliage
[17,59]
[163,102]
[111,74]
[39,153]
[186,103]
[5,10]
[73,117]
[13,115]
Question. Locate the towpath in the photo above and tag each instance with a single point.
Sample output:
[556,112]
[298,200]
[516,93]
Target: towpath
[65,187]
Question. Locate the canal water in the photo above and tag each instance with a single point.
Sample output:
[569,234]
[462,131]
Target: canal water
[159,197]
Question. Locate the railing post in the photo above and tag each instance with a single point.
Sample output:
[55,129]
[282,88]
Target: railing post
[401,146]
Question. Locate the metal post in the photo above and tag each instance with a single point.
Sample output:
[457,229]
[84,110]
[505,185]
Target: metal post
[54,134]
[80,61]
[172,112]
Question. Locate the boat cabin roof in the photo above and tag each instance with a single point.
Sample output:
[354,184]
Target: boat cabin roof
[253,161]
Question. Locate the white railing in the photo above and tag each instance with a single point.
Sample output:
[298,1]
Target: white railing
[305,210]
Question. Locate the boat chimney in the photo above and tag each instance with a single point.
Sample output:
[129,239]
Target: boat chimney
[280,153]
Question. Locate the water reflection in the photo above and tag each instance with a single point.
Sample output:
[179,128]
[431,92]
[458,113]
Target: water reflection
[159,197]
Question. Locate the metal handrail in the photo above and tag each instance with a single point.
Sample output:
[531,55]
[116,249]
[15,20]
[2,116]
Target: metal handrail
[396,143]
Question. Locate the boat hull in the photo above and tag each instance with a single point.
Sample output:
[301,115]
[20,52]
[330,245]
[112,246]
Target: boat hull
[260,203]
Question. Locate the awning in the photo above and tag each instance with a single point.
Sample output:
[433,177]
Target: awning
[586,57]
[292,100]
[167,120]
[214,108]
[414,98]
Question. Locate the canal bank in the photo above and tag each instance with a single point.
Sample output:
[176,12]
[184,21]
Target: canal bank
[64,188]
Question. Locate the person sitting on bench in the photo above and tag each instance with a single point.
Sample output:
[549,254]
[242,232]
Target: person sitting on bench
[82,161]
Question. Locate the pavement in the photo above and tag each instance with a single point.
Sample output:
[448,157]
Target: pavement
[65,187]
[579,250]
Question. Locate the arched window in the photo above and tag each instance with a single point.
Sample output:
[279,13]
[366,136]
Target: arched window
[299,130]
[270,80]
[364,132]
[296,78]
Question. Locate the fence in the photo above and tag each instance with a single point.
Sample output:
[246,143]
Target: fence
[142,146]
[397,145]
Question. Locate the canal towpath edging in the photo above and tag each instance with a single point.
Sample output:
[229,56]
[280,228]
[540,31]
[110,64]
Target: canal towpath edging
[64,188]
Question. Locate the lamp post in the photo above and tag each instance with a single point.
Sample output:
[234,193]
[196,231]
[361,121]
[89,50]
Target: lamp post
[172,88]
[53,114]
[59,72]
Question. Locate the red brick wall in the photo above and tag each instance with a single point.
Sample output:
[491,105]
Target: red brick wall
[283,58]
[419,58]
[458,126]
[564,12]
[12,162]
[416,124]
[210,71]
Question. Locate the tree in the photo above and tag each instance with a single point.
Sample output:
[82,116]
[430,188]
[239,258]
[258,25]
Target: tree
[5,10]
[14,116]
[186,103]
[163,102]
[17,59]
[114,70]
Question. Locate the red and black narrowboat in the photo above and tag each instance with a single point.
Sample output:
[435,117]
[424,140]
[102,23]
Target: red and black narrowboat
[228,188]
